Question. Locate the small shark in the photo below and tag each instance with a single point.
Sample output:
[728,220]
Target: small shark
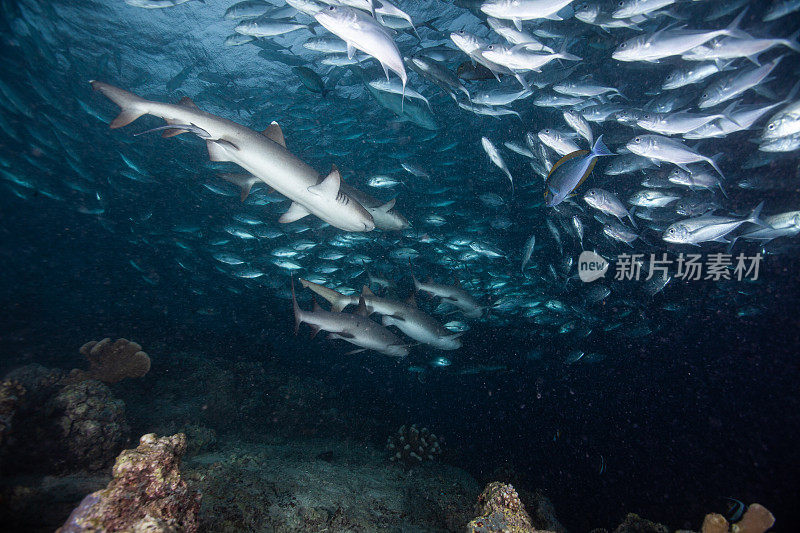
[408,318]
[354,328]
[262,154]
[454,295]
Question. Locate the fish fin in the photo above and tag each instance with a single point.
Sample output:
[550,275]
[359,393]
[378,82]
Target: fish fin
[366,291]
[275,134]
[127,102]
[358,350]
[351,51]
[244,181]
[733,28]
[216,151]
[362,308]
[295,212]
[713,162]
[397,317]
[600,149]
[187,102]
[329,187]
[316,305]
[517,24]
[314,330]
[755,215]
[341,335]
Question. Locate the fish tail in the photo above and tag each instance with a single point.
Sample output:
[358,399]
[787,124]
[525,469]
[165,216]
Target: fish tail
[755,215]
[600,149]
[792,42]
[131,106]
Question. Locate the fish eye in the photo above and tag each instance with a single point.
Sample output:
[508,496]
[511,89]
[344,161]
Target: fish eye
[705,95]
[771,126]
[647,116]
[671,230]
[332,8]
[621,4]
[637,140]
[623,45]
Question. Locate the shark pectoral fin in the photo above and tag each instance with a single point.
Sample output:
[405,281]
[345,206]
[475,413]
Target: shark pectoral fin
[295,212]
[329,187]
[314,331]
[397,317]
[244,181]
[353,352]
[275,133]
[217,150]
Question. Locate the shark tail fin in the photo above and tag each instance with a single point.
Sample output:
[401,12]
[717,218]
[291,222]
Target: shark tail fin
[131,106]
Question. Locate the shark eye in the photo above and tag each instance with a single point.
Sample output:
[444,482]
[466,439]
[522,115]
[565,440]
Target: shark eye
[705,95]
[623,45]
[621,4]
[771,126]
[332,8]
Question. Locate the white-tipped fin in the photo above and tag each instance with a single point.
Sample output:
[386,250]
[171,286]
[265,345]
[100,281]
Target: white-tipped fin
[295,212]
[329,187]
[275,133]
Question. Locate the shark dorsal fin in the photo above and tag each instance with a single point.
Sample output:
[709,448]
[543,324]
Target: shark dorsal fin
[388,205]
[329,187]
[362,307]
[274,133]
[187,102]
[411,300]
[295,212]
[366,291]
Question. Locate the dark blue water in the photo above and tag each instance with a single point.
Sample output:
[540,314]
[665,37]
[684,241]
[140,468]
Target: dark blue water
[683,399]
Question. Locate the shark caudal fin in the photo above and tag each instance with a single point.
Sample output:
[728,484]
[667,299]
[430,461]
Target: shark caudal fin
[131,106]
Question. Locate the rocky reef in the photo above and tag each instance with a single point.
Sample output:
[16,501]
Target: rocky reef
[111,362]
[62,425]
[411,446]
[10,394]
[500,510]
[756,519]
[146,493]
